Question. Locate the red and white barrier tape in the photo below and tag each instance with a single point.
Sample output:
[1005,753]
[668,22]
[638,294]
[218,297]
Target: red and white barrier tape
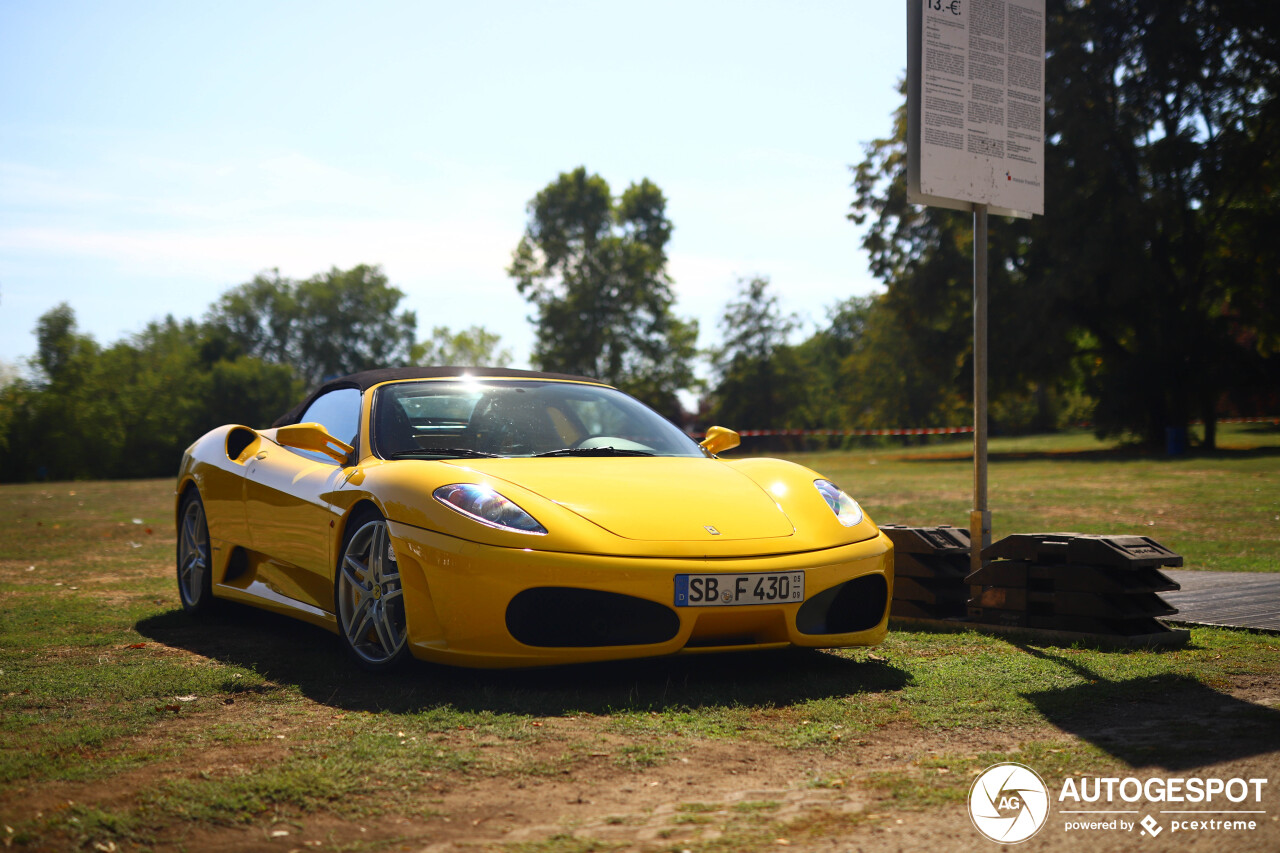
[750,433]
[954,430]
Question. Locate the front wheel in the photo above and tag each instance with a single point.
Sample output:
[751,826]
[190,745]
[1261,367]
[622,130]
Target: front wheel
[369,599]
[195,575]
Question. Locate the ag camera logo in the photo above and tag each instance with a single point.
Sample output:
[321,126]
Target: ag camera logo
[1009,803]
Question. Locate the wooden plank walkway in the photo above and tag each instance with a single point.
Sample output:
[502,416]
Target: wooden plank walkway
[1226,599]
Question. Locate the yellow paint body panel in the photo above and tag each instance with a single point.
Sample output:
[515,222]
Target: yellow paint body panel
[625,526]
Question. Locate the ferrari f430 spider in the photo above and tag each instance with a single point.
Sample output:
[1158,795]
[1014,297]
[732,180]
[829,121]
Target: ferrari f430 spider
[496,518]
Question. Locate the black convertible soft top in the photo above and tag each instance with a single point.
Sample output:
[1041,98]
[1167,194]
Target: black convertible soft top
[368,378]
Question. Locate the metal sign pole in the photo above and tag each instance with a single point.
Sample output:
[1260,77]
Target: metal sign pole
[976,147]
[980,516]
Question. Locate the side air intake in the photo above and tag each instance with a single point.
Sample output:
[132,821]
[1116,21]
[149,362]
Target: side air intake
[856,605]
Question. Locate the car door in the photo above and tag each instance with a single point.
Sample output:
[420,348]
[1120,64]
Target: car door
[288,515]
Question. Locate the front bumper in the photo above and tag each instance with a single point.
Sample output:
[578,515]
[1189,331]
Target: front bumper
[458,593]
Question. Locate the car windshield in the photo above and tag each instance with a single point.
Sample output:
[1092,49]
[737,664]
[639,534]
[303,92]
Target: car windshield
[483,418]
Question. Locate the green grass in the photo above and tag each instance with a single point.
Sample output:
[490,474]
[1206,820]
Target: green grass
[248,719]
[562,843]
[946,779]
[1219,511]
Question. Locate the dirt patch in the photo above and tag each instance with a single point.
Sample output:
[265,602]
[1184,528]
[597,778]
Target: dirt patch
[710,794]
[702,788]
[729,794]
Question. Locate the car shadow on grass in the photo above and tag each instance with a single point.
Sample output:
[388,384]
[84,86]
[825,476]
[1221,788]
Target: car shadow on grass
[1168,721]
[288,652]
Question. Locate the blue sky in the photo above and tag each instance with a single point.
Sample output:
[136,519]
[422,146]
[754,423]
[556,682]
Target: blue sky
[153,155]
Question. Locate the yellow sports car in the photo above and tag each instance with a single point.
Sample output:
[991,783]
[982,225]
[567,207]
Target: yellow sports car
[494,518]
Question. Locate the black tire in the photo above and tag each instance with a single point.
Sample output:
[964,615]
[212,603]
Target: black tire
[194,563]
[368,599]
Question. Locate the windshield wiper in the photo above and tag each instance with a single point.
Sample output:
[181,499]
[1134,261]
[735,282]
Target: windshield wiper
[594,451]
[442,452]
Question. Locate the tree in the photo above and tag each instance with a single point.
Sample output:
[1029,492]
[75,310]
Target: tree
[54,424]
[9,382]
[244,390]
[822,357]
[61,351]
[1248,255]
[594,268]
[255,319]
[129,409]
[924,322]
[474,346]
[756,368]
[1159,120]
[885,383]
[1182,116]
[331,324]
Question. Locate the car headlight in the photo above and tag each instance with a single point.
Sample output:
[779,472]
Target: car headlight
[483,504]
[846,508]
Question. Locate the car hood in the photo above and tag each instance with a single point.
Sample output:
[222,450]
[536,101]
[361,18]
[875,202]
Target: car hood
[660,499]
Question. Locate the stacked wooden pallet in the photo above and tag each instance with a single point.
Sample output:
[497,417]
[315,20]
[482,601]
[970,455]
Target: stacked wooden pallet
[1092,586]
[929,569]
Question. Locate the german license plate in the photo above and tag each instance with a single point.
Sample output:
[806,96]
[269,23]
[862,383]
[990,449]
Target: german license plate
[751,588]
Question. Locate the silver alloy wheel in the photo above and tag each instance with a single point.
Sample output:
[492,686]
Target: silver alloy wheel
[370,598]
[193,556]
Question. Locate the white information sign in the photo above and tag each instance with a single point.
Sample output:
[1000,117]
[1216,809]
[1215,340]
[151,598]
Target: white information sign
[976,104]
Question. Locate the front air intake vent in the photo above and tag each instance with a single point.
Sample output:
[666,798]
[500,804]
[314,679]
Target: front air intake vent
[566,617]
[856,605]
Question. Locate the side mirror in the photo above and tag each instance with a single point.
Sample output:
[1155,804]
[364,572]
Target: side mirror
[719,439]
[313,437]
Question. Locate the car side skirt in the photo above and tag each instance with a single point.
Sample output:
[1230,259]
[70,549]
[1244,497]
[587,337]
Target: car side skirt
[245,576]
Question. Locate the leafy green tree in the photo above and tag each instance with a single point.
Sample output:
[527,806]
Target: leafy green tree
[15,429]
[349,322]
[1181,115]
[756,386]
[331,324]
[61,411]
[925,256]
[1159,120]
[884,382]
[594,268]
[822,359]
[473,346]
[61,351]
[129,409]
[255,319]
[156,395]
[246,391]
[9,380]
